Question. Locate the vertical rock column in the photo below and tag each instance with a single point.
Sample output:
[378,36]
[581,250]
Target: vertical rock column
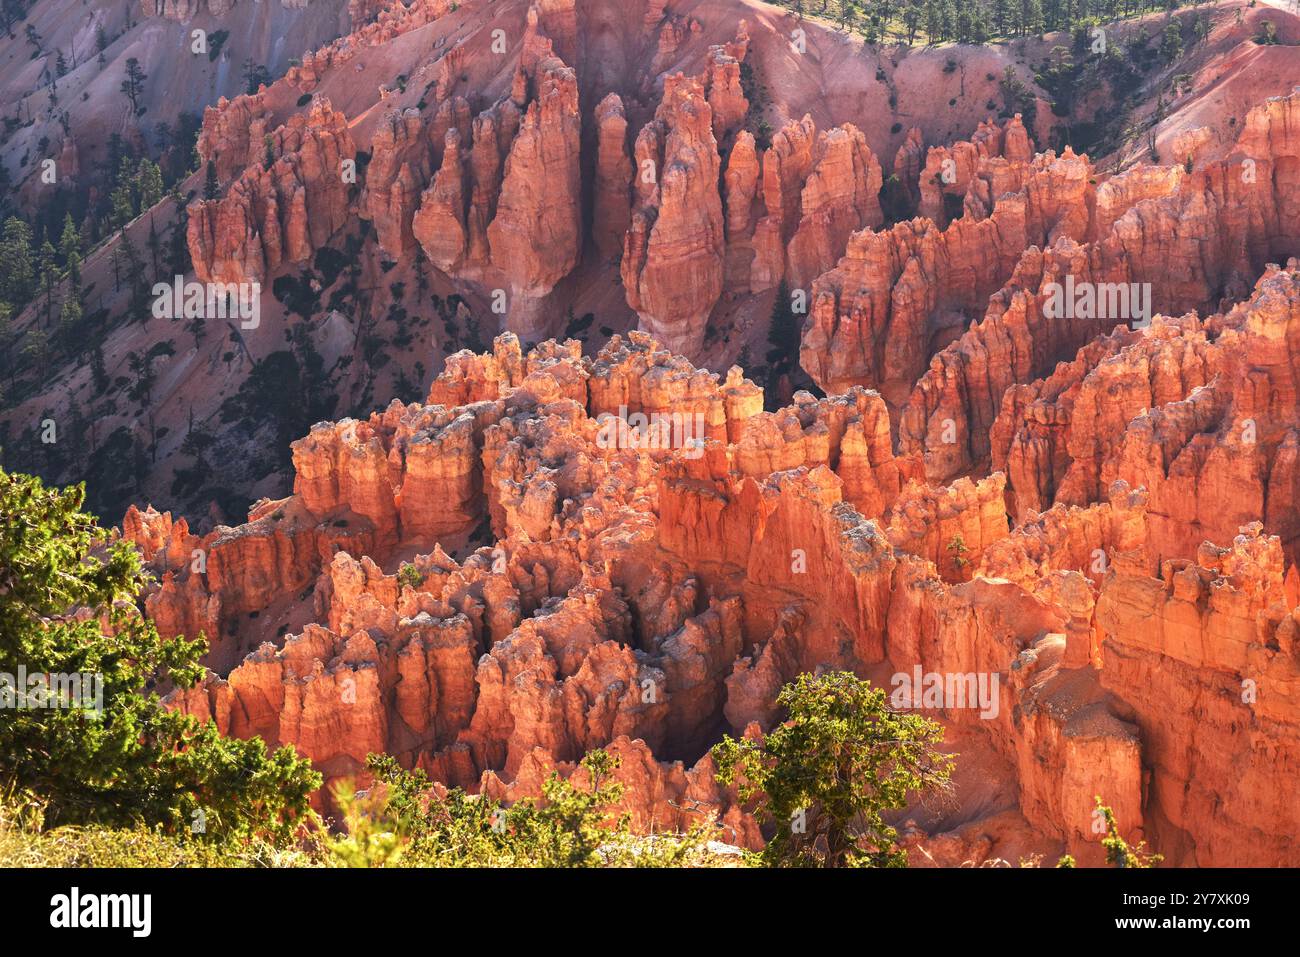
[673,252]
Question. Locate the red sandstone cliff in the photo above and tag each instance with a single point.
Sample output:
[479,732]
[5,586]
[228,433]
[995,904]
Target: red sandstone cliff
[289,200]
[642,598]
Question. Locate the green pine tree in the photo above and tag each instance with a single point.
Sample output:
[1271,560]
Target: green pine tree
[17,267]
[129,759]
[1119,853]
[49,273]
[70,249]
[6,316]
[36,347]
[132,85]
[122,206]
[150,179]
[133,266]
[70,314]
[785,330]
[98,373]
[1171,43]
[829,771]
[211,185]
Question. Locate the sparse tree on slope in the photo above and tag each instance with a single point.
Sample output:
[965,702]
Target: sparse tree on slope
[133,84]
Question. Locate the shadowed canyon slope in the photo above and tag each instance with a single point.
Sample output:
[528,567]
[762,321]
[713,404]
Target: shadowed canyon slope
[441,172]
